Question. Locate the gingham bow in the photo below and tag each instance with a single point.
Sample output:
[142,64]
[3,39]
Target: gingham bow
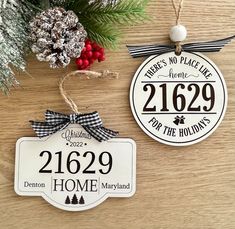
[91,122]
[148,50]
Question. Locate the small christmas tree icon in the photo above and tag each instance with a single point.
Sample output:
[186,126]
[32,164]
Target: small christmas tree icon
[67,201]
[74,199]
[81,201]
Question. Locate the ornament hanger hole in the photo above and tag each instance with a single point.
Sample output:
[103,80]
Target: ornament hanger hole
[178,53]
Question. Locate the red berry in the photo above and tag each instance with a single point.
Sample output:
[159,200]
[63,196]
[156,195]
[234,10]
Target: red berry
[84,56]
[87,42]
[89,54]
[79,62]
[88,47]
[102,58]
[82,67]
[101,50]
[95,46]
[96,55]
[85,63]
[91,61]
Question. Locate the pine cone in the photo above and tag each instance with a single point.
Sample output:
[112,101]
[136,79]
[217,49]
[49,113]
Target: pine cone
[57,36]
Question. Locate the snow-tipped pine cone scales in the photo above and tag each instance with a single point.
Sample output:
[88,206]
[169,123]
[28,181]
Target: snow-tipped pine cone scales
[57,36]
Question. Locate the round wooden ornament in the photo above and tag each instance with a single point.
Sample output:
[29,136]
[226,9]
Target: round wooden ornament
[178,99]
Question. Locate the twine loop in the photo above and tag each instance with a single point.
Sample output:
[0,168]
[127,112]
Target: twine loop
[178,47]
[82,74]
[177,11]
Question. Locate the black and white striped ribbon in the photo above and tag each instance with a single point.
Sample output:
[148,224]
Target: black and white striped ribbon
[91,122]
[148,50]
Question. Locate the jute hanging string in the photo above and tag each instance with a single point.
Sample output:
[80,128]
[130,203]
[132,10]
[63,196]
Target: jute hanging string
[82,74]
[178,47]
[177,12]
[91,122]
[178,34]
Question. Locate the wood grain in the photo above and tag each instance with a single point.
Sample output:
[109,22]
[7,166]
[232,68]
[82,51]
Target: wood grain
[177,188]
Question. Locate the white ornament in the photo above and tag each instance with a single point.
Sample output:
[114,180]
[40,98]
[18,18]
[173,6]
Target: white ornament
[178,33]
[80,172]
[178,100]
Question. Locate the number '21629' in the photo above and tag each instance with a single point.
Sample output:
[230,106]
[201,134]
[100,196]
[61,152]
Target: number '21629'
[179,100]
[73,165]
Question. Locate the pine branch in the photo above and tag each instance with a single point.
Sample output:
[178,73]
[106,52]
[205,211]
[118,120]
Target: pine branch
[126,12]
[102,23]
[13,40]
[104,35]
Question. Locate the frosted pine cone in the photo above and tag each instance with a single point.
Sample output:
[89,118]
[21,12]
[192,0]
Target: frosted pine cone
[57,36]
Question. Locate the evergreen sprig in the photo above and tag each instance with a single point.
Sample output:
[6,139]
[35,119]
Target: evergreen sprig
[126,12]
[14,18]
[102,34]
[103,23]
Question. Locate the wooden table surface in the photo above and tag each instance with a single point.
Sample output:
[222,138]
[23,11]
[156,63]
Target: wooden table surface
[185,187]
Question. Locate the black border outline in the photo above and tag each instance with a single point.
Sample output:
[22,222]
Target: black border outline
[161,140]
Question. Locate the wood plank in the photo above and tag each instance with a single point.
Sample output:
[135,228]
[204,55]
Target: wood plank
[186,187]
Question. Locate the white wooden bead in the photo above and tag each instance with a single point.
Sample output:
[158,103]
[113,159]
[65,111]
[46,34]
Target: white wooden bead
[178,33]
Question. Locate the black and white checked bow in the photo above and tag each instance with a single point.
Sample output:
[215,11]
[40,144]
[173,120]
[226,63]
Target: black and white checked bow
[91,122]
[148,50]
